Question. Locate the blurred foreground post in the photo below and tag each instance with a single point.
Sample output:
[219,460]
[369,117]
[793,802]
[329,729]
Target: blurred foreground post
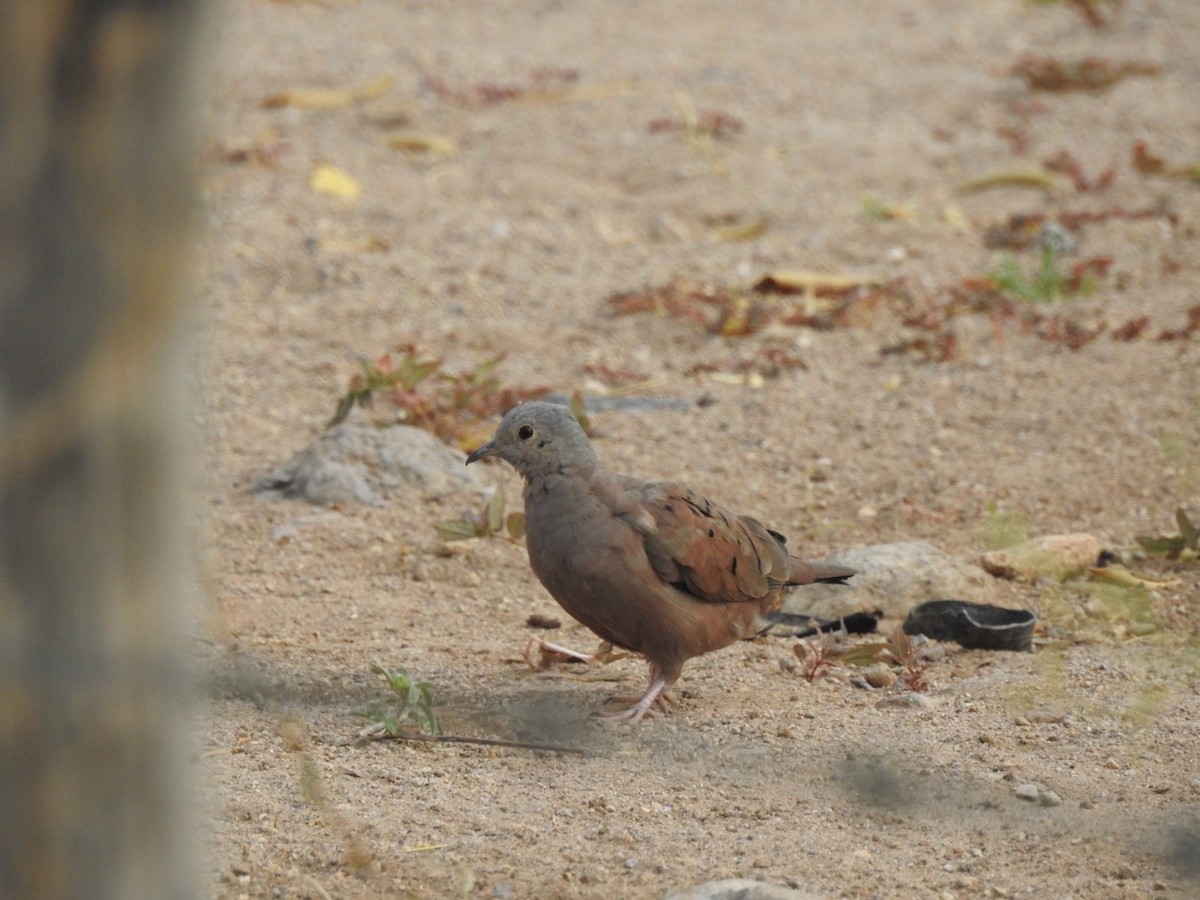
[95,191]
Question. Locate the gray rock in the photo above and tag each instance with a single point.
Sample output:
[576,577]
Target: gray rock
[740,889]
[893,578]
[1027,792]
[357,464]
[907,700]
[1048,798]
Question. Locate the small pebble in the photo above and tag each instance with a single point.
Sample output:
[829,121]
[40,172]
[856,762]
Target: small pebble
[1026,791]
[1048,798]
[879,676]
[910,700]
[630,863]
[502,891]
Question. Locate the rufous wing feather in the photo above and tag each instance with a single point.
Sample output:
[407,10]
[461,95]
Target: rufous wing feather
[713,554]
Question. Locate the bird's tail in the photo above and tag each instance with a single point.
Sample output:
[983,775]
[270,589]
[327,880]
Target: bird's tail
[806,571]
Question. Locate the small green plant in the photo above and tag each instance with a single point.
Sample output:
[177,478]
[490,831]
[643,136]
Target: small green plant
[880,210]
[819,654]
[827,651]
[491,520]
[1176,546]
[909,657]
[1003,529]
[1045,285]
[409,706]
[453,406]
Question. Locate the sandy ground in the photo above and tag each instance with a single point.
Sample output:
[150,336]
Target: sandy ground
[552,201]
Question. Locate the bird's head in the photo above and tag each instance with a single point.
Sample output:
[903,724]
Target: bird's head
[540,438]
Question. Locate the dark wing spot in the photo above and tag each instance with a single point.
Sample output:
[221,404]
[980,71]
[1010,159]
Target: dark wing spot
[779,537]
[711,533]
[733,566]
[703,510]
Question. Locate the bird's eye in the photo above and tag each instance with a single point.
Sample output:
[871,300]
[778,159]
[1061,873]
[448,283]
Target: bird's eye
[525,432]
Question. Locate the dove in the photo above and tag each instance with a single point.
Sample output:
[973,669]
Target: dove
[651,567]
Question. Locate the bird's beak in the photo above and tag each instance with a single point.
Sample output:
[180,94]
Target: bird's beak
[488,449]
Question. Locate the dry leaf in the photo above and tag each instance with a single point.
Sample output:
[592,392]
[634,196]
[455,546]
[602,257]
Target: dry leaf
[1035,178]
[330,98]
[799,281]
[423,142]
[332,180]
[738,231]
[458,530]
[579,93]
[336,244]
[1122,577]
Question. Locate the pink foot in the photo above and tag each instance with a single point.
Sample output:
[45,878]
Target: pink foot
[654,696]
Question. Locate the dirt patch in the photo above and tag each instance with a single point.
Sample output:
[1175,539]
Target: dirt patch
[516,165]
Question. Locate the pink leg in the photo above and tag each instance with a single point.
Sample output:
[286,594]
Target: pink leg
[544,645]
[645,706]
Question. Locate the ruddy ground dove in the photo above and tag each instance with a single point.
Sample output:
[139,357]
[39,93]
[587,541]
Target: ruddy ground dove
[650,566]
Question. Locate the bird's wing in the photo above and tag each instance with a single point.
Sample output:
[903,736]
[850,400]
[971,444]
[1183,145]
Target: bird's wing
[701,548]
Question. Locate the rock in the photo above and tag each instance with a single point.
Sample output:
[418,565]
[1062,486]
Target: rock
[878,675]
[1055,556]
[357,464]
[1028,792]
[892,578]
[907,700]
[740,889]
[1048,798]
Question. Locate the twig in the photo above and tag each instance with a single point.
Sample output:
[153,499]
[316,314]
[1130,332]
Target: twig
[316,885]
[457,739]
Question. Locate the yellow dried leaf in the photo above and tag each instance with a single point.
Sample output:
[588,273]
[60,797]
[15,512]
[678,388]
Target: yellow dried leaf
[740,231]
[578,93]
[332,180]
[423,142]
[1122,577]
[955,218]
[330,98]
[799,281]
[1035,178]
[337,244]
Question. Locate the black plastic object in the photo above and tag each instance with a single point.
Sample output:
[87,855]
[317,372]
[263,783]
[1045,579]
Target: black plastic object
[977,626]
